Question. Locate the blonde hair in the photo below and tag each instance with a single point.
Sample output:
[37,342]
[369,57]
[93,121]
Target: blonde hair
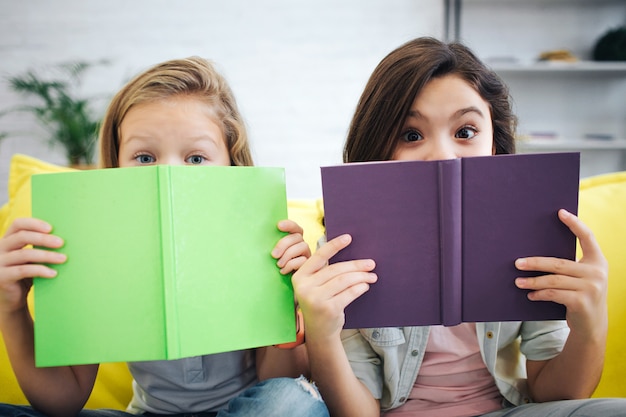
[194,77]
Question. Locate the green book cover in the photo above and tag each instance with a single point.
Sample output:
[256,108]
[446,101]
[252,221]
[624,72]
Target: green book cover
[164,262]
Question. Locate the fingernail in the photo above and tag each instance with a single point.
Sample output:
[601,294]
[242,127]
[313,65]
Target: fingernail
[345,238]
[60,257]
[520,282]
[57,241]
[50,273]
[369,264]
[521,262]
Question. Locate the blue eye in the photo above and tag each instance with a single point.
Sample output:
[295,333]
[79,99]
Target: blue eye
[145,159]
[195,159]
[466,133]
[412,136]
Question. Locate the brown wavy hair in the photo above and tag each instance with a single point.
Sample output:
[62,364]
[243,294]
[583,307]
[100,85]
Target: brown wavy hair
[195,77]
[399,78]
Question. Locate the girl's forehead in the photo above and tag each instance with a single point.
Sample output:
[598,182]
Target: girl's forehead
[177,118]
[447,92]
[176,107]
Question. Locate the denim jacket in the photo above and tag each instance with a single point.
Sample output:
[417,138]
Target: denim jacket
[387,360]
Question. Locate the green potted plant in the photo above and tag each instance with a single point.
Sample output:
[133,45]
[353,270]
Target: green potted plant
[68,119]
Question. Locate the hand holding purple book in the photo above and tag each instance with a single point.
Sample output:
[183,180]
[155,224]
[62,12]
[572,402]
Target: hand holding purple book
[445,234]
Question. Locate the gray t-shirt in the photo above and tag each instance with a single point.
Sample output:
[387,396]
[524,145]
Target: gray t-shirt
[201,383]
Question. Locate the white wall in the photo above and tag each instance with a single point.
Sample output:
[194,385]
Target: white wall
[297,67]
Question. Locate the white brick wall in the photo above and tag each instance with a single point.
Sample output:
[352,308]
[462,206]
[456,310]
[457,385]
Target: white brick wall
[297,67]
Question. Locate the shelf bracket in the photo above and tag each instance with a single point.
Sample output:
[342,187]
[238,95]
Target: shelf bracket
[452,20]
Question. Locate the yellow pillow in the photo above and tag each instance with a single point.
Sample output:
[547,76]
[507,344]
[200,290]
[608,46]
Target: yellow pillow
[309,215]
[113,384]
[20,170]
[602,207]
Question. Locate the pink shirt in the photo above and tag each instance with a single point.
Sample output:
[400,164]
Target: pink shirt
[453,380]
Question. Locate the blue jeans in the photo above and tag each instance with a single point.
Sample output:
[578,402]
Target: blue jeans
[277,397]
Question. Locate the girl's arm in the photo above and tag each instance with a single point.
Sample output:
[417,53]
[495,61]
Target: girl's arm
[582,287]
[323,292]
[273,362]
[291,252]
[56,391]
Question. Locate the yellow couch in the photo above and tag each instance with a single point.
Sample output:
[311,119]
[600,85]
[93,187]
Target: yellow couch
[113,385]
[602,207]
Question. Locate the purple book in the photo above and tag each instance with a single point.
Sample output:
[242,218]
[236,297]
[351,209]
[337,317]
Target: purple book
[445,234]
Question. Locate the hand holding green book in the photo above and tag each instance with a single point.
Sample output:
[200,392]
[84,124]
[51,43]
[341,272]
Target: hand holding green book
[164,262]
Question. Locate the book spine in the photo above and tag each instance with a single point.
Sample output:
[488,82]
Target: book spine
[450,229]
[170,309]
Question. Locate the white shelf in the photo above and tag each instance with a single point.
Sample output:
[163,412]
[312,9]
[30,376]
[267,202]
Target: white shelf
[573,144]
[562,67]
[567,98]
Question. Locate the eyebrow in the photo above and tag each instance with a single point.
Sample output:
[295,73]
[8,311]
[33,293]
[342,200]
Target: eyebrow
[457,114]
[150,138]
[470,109]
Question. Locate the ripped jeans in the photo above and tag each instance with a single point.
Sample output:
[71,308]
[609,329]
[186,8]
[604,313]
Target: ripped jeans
[277,397]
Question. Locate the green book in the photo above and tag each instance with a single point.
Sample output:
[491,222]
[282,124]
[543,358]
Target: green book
[164,262]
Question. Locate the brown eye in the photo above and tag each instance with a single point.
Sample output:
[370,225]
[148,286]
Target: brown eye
[466,133]
[411,136]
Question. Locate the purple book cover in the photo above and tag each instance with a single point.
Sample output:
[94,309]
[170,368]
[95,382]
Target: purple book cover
[510,205]
[445,234]
[384,211]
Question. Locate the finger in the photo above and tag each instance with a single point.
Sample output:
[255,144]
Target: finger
[28,223]
[32,256]
[331,272]
[583,307]
[351,293]
[564,297]
[338,292]
[296,250]
[344,282]
[588,243]
[284,246]
[22,238]
[546,287]
[544,282]
[322,255]
[290,226]
[19,272]
[293,265]
[548,264]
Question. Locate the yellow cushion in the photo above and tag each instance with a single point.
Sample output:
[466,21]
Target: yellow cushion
[602,207]
[309,215]
[113,384]
[20,170]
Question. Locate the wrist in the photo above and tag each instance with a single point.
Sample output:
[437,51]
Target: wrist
[299,333]
[11,318]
